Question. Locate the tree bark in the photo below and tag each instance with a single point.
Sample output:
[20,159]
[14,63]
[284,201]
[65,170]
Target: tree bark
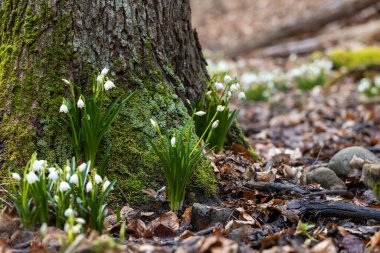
[151,49]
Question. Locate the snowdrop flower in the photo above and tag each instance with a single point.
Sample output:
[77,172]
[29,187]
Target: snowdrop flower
[74,179]
[67,169]
[68,175]
[100,78]
[154,123]
[51,169]
[77,228]
[229,94]
[69,212]
[364,84]
[82,167]
[56,198]
[38,165]
[227,79]
[219,86]
[66,81]
[53,176]
[241,95]
[172,141]
[220,108]
[104,71]
[374,90]
[200,113]
[80,103]
[233,87]
[98,179]
[80,220]
[106,184]
[16,176]
[109,85]
[64,186]
[88,186]
[63,108]
[215,124]
[31,177]
[208,92]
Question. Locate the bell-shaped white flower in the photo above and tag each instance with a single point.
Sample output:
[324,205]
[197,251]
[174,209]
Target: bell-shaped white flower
[80,220]
[74,179]
[109,85]
[82,167]
[80,103]
[69,212]
[105,71]
[51,169]
[154,123]
[219,86]
[64,186]
[215,124]
[200,113]
[67,169]
[172,141]
[38,165]
[233,87]
[227,79]
[88,186]
[16,176]
[106,184]
[208,92]
[68,175]
[77,228]
[53,176]
[241,95]
[31,177]
[229,94]
[63,108]
[98,179]
[220,108]
[100,78]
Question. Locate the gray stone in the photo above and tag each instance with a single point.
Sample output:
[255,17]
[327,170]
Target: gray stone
[340,162]
[203,216]
[326,178]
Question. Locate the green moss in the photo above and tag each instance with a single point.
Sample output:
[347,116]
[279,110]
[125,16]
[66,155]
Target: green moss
[356,58]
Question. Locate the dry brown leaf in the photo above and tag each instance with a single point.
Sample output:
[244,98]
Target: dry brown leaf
[165,226]
[137,226]
[326,246]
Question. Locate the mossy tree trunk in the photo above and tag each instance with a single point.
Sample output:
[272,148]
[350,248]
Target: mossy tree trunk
[150,47]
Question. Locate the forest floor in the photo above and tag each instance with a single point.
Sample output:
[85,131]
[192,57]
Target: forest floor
[265,206]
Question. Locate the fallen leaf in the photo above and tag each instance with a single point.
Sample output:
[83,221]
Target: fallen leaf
[165,226]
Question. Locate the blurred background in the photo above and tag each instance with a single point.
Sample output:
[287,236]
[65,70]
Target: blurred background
[310,70]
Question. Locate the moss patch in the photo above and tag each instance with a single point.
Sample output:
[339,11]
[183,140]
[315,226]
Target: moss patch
[356,58]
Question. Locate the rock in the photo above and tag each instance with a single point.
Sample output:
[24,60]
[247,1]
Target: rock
[371,177]
[326,178]
[340,162]
[203,216]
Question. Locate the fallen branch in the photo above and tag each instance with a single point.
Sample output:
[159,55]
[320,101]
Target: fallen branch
[306,24]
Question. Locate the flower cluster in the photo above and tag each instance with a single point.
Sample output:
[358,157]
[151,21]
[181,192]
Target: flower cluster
[67,191]
[213,108]
[369,87]
[88,119]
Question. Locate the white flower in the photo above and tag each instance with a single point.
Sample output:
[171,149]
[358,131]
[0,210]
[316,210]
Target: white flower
[64,186]
[74,179]
[56,198]
[80,103]
[234,87]
[373,90]
[100,78]
[172,141]
[227,79]
[63,108]
[219,86]
[88,186]
[80,220]
[69,212]
[16,176]
[98,179]
[53,176]
[31,177]
[68,176]
[109,85]
[200,113]
[215,124]
[241,95]
[229,94]
[208,92]
[220,108]
[77,228]
[51,169]
[105,71]
[66,81]
[106,184]
[154,123]
[38,165]
[82,167]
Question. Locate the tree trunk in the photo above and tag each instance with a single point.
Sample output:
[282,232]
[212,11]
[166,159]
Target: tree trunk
[150,47]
